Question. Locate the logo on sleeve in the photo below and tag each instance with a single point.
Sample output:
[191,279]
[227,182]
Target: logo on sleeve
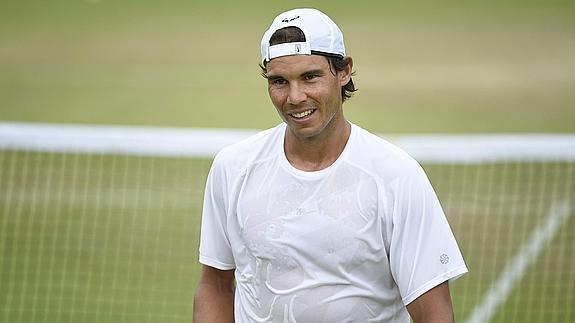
[444,259]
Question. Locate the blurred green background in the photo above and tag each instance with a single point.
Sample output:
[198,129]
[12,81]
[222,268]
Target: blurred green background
[422,66]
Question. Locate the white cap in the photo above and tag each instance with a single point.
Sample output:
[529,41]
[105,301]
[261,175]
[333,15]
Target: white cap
[321,35]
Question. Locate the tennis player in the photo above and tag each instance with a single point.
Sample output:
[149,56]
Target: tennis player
[317,220]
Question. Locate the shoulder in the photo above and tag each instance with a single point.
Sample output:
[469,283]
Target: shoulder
[381,157]
[248,151]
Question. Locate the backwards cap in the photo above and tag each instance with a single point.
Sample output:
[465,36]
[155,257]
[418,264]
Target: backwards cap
[322,35]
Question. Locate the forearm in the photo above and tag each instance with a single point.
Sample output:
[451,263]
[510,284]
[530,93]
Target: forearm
[435,319]
[213,305]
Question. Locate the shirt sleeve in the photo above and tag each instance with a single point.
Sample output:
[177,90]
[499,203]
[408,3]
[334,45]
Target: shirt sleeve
[215,248]
[423,250]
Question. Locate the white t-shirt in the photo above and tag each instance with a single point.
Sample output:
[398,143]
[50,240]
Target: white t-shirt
[354,242]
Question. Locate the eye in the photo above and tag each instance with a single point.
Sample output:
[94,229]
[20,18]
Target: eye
[309,77]
[278,81]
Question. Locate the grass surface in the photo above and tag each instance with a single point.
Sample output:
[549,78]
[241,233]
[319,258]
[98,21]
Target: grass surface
[421,67]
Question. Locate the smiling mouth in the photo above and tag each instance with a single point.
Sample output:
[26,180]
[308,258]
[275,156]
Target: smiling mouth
[301,115]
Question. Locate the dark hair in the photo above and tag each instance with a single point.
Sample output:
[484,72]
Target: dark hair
[338,63]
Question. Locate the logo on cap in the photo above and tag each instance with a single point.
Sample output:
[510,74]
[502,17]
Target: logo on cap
[291,19]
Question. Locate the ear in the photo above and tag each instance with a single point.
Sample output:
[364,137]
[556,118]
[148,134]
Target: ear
[345,74]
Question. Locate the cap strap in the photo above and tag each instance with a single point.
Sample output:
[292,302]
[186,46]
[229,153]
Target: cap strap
[285,49]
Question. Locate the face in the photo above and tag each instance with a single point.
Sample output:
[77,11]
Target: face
[307,94]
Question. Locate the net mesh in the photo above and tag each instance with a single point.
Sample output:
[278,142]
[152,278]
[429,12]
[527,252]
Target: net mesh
[96,238]
[99,237]
[514,224]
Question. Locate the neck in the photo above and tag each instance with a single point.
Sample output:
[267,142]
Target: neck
[318,152]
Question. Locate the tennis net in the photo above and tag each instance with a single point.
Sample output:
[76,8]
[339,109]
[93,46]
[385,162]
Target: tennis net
[101,223]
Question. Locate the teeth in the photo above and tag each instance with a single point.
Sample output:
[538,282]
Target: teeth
[302,114]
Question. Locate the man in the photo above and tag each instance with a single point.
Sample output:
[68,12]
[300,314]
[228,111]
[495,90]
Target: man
[317,220]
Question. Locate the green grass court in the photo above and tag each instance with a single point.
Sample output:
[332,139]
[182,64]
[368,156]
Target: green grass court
[441,66]
[98,238]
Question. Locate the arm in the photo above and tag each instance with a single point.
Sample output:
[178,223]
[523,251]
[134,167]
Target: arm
[434,306]
[214,299]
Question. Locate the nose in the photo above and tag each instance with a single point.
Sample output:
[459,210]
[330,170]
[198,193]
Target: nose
[296,95]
